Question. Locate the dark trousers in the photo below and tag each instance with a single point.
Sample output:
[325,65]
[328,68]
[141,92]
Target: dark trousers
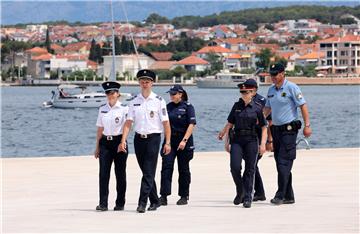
[108,155]
[147,151]
[168,161]
[258,185]
[284,143]
[247,150]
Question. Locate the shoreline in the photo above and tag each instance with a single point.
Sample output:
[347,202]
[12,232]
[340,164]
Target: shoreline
[296,80]
[60,195]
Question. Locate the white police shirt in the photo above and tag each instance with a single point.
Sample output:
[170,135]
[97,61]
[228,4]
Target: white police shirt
[112,119]
[148,114]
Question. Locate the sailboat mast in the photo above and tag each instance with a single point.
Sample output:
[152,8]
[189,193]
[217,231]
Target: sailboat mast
[112,74]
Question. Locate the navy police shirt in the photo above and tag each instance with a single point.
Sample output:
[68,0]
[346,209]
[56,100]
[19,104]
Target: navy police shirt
[246,117]
[181,115]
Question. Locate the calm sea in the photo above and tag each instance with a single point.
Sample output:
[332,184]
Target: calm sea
[28,130]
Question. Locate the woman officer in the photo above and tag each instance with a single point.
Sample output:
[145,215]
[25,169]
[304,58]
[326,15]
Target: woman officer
[110,122]
[182,121]
[244,116]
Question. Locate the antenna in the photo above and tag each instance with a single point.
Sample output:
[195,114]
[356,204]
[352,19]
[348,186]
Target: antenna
[131,33]
[112,73]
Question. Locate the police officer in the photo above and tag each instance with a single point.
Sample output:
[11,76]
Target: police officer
[110,122]
[182,121]
[259,192]
[283,99]
[148,112]
[245,115]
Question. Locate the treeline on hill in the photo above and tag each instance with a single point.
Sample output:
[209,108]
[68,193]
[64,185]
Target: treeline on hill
[252,17]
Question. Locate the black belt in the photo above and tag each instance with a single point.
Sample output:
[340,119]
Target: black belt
[245,132]
[111,138]
[145,136]
[292,126]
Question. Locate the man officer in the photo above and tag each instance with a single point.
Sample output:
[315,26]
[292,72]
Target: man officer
[283,99]
[148,112]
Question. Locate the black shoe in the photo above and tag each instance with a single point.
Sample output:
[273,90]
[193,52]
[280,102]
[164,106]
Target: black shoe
[116,208]
[238,200]
[247,204]
[101,208]
[153,207]
[259,198]
[277,201]
[182,201]
[289,201]
[163,200]
[140,209]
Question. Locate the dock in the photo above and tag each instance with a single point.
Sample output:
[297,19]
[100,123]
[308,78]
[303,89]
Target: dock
[59,194]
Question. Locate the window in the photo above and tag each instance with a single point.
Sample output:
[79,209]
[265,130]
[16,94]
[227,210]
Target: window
[329,53]
[329,62]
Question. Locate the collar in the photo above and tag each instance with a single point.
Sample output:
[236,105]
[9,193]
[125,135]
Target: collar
[241,101]
[282,86]
[117,104]
[151,96]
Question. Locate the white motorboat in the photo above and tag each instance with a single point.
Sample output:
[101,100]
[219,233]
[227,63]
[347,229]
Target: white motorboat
[224,80]
[74,96]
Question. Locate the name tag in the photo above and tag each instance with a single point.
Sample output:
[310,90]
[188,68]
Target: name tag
[270,96]
[104,112]
[137,104]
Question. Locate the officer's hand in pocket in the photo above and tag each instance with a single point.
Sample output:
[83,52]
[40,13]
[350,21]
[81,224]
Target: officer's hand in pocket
[97,152]
[122,147]
[181,145]
[166,149]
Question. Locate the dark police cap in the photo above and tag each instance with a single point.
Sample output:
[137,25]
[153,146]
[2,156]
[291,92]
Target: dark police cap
[249,84]
[276,68]
[146,74]
[176,89]
[111,86]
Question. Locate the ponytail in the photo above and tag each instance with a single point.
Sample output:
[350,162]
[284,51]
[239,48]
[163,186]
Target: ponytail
[184,96]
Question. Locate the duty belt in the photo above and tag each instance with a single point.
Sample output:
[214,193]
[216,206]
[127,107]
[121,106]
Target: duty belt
[292,126]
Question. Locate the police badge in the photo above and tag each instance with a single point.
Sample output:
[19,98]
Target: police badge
[283,94]
[289,127]
[117,120]
[151,114]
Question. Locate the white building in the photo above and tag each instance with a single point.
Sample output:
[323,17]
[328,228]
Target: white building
[128,63]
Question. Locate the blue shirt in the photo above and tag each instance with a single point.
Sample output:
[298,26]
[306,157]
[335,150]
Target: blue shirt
[284,102]
[246,117]
[181,115]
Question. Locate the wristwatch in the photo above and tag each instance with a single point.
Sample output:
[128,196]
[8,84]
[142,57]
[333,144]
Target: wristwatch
[184,140]
[268,142]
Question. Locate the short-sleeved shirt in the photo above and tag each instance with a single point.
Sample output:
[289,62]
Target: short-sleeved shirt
[148,113]
[246,117]
[284,102]
[181,115]
[112,119]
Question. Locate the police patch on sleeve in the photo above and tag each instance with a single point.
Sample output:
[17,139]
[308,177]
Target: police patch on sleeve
[299,96]
[164,111]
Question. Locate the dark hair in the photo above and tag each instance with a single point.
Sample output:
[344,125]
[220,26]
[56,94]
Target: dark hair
[184,96]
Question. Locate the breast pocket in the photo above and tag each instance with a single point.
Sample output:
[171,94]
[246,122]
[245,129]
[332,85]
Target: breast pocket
[283,97]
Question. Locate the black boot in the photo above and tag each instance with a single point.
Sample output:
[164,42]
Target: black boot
[154,206]
[238,200]
[163,200]
[140,209]
[247,204]
[101,208]
[182,201]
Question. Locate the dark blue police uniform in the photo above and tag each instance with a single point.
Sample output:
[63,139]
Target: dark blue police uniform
[259,191]
[245,145]
[181,115]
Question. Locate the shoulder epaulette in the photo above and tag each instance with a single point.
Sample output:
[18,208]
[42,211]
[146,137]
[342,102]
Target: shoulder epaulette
[132,98]
[158,97]
[102,105]
[123,104]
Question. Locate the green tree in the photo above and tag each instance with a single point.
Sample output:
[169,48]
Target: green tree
[178,71]
[92,54]
[118,49]
[263,58]
[125,49]
[215,62]
[47,43]
[156,19]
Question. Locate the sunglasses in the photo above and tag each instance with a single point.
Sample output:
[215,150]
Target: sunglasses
[245,91]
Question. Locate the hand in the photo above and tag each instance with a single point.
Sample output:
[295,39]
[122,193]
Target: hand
[181,145]
[122,147]
[227,147]
[97,153]
[307,131]
[269,147]
[167,149]
[262,149]
[221,135]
